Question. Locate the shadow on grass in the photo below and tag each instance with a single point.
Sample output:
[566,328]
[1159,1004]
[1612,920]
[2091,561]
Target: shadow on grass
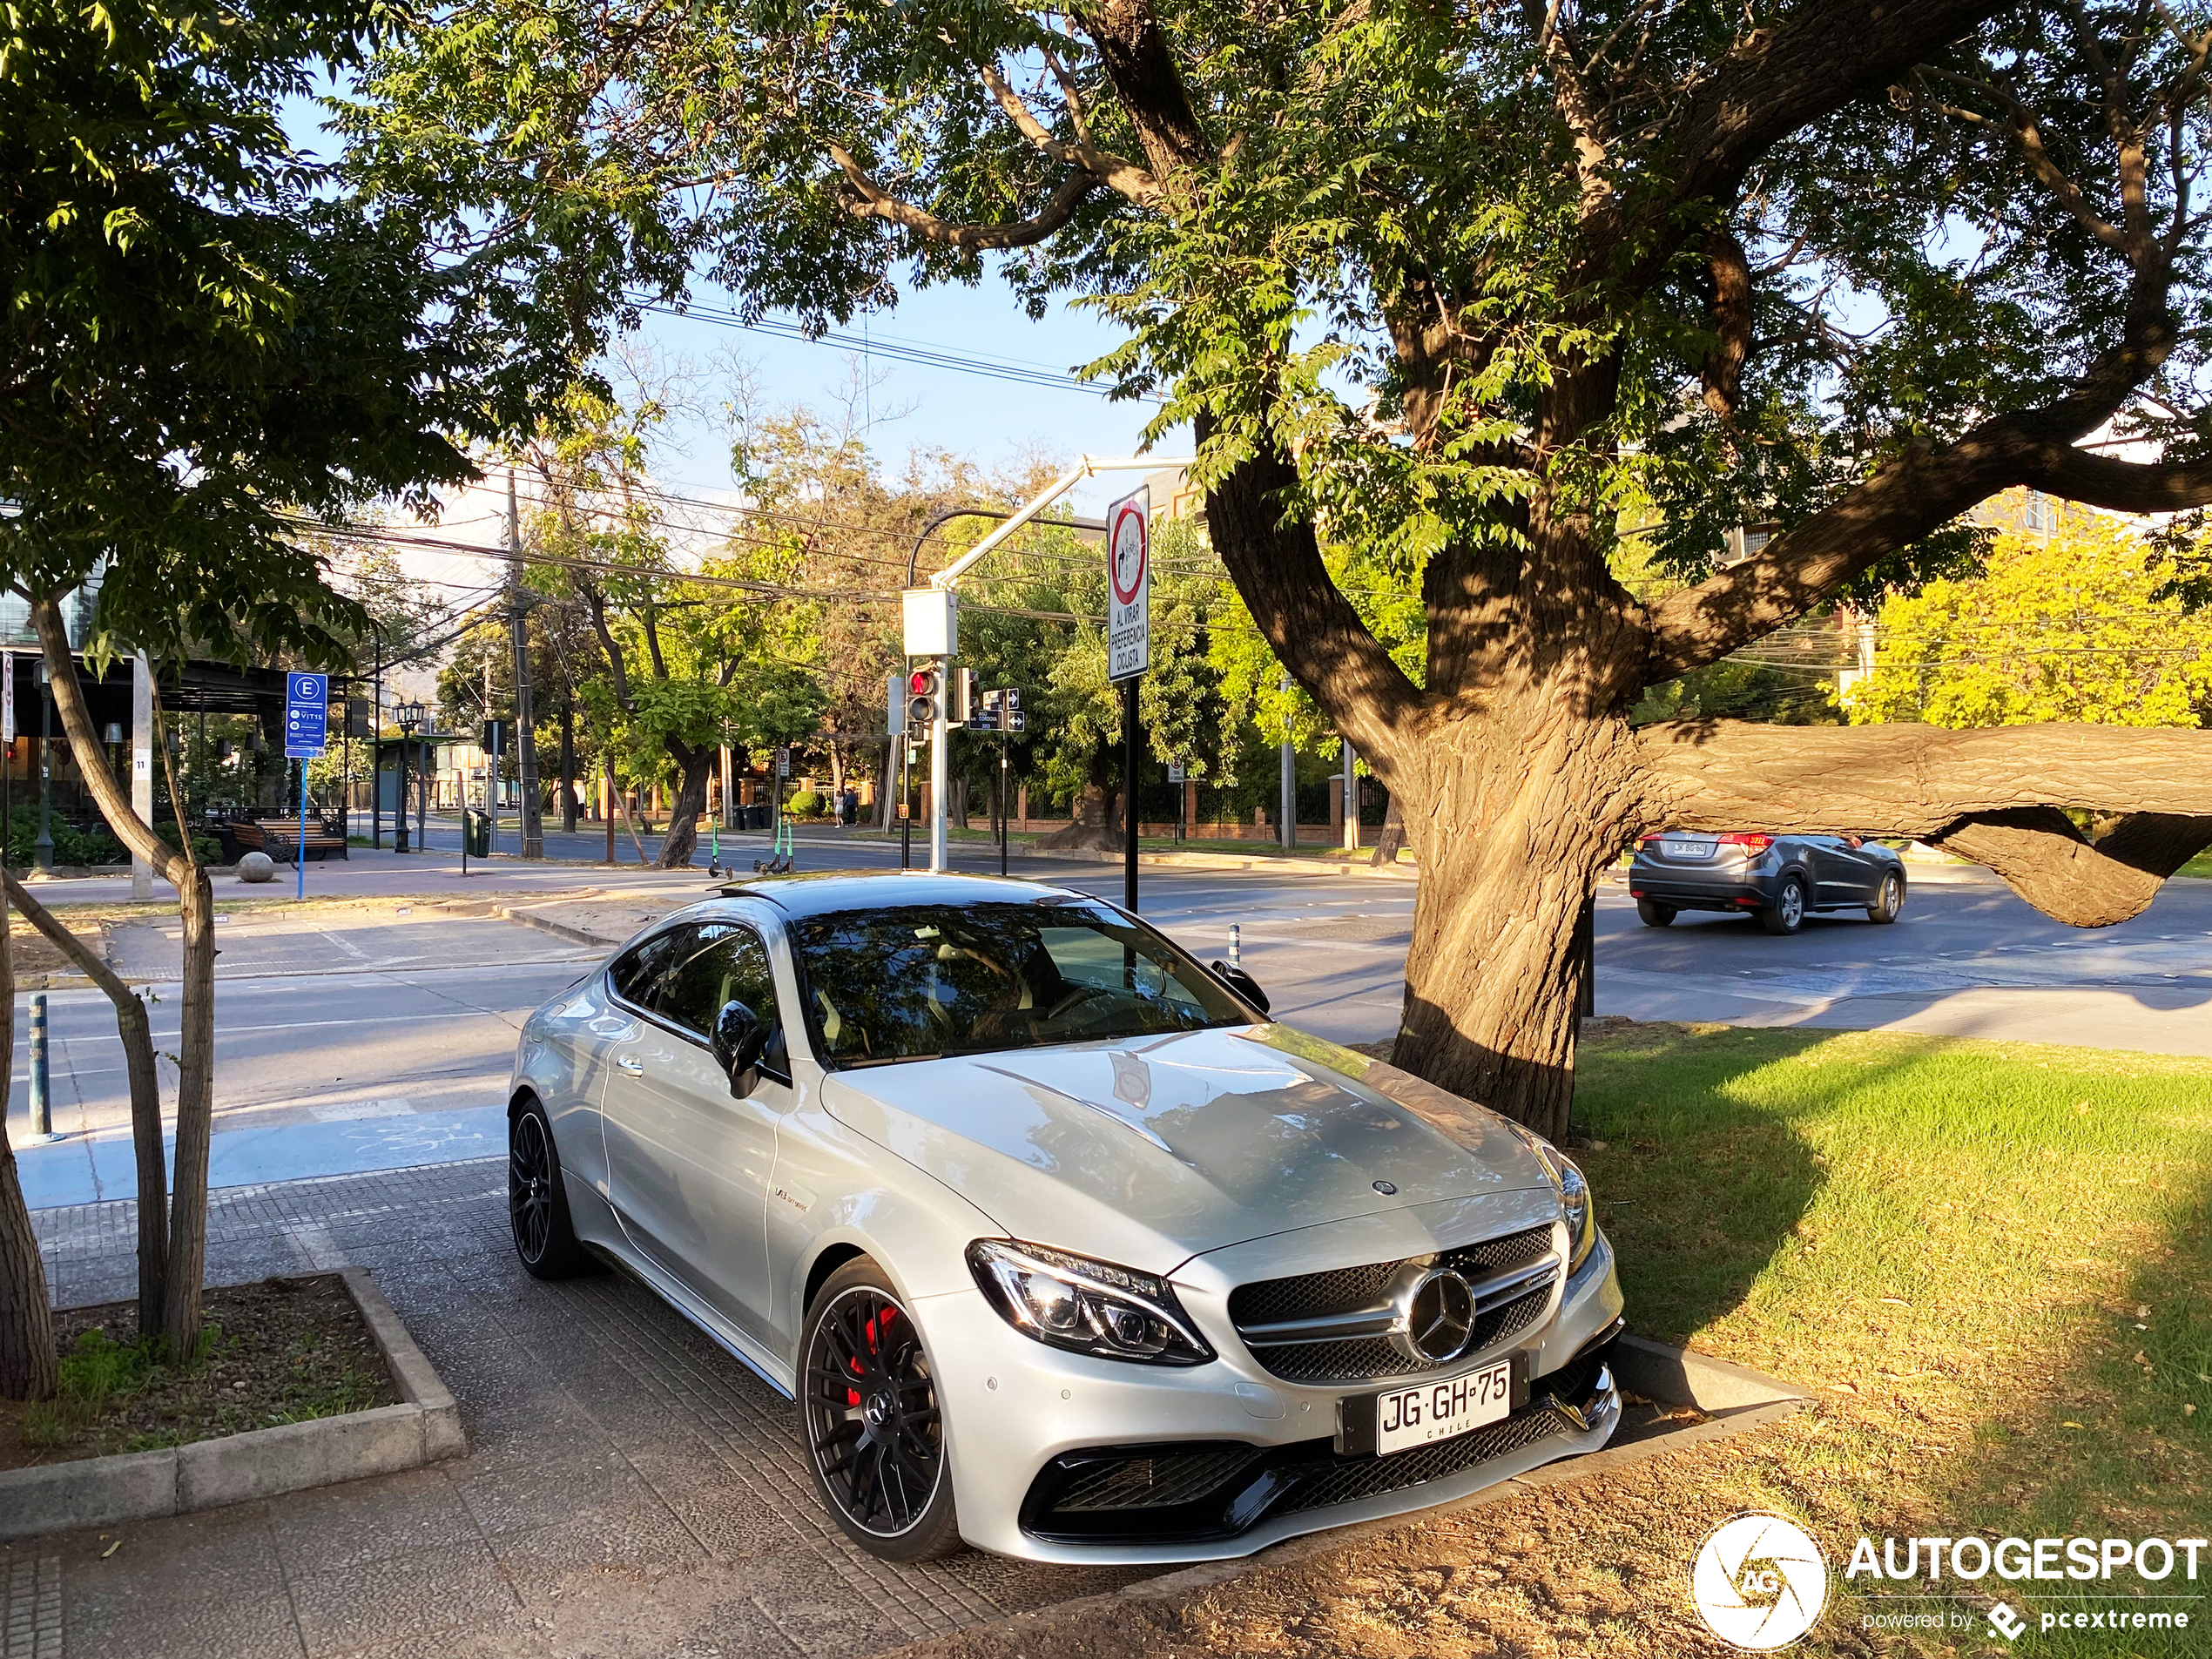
[2111,1438]
[1656,1102]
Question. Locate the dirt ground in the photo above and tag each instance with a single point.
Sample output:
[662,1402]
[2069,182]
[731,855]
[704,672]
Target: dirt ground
[1589,1568]
[281,1351]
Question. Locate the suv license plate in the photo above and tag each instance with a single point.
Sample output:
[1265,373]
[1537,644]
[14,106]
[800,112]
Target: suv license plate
[1690,849]
[1442,1411]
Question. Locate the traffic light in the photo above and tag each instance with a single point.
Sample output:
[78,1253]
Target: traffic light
[922,687]
[959,696]
[497,735]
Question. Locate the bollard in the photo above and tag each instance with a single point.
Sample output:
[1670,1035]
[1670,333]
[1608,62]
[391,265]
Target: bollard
[1236,944]
[42,1100]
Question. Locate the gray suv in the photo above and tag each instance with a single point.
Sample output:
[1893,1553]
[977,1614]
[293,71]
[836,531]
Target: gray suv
[1779,879]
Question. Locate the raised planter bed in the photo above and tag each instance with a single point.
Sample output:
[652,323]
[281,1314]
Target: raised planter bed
[423,1428]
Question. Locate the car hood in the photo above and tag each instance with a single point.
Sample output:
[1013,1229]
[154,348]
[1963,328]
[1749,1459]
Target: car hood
[1150,1150]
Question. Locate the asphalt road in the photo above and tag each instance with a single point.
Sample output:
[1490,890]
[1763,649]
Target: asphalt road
[379,1039]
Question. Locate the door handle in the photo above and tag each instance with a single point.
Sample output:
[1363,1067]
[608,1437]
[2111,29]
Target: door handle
[635,1067]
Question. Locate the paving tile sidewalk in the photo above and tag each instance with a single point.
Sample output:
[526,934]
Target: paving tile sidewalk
[629,1488]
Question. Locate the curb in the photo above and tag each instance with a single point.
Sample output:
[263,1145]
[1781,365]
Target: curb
[261,1463]
[1680,1376]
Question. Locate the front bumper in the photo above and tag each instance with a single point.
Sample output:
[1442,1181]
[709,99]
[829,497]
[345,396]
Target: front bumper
[1046,1446]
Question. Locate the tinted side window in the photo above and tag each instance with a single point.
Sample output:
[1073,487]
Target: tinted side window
[721,961]
[637,970]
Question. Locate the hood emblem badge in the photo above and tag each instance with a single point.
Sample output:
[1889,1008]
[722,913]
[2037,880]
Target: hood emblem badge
[1387,1189]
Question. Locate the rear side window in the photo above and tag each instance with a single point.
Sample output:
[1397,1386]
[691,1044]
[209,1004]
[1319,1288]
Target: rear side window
[636,974]
[718,962]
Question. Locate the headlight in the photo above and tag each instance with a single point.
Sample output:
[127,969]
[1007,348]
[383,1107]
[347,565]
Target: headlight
[1575,1204]
[1089,1307]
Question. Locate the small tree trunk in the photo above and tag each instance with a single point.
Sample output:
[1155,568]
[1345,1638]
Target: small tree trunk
[29,1363]
[195,1118]
[690,800]
[1392,841]
[146,1102]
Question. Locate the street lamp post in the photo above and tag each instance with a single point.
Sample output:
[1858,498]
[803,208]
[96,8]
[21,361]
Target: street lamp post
[410,716]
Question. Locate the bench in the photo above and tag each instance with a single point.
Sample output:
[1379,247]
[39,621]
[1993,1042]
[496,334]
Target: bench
[280,838]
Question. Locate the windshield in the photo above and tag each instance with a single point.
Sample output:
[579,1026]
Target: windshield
[916,981]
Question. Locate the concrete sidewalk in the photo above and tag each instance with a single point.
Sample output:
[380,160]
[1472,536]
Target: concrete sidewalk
[629,1487]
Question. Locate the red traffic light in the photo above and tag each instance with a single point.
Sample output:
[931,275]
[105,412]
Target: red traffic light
[922,682]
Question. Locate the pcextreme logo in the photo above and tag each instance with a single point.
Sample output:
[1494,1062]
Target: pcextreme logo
[1759,1582]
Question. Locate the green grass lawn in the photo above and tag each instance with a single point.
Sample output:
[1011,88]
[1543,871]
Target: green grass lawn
[1993,1261]
[2201,865]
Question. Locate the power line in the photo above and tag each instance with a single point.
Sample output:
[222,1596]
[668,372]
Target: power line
[920,353]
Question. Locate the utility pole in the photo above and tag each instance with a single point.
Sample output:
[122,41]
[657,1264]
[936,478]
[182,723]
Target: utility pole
[1289,776]
[518,632]
[1351,800]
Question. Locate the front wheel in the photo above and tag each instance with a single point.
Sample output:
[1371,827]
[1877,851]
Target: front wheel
[867,1410]
[1652,913]
[1889,904]
[1787,914]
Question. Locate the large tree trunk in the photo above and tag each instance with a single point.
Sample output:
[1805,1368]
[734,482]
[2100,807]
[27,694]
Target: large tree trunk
[1096,825]
[29,1363]
[1516,813]
[132,1029]
[690,800]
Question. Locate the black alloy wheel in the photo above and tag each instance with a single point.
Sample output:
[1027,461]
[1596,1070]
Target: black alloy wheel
[537,1207]
[868,1408]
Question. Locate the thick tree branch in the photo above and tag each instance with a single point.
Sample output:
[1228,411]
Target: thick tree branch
[1117,174]
[1728,309]
[2052,866]
[1320,637]
[1992,795]
[1925,488]
[865,198]
[1779,79]
[1142,73]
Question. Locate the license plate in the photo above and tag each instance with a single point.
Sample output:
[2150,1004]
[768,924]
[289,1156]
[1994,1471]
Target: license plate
[1441,1411]
[1689,849]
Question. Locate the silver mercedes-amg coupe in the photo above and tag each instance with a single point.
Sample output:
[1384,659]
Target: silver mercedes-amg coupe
[1062,1248]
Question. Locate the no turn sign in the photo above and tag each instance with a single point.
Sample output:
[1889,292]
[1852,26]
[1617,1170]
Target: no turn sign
[1129,582]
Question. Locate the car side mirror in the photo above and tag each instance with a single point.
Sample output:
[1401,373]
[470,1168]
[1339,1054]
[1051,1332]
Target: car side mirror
[1241,983]
[739,1039]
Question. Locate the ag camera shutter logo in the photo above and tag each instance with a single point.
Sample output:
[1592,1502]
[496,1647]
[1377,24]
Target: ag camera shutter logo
[1759,1581]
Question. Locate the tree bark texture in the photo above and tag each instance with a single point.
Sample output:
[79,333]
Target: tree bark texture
[132,1030]
[29,1368]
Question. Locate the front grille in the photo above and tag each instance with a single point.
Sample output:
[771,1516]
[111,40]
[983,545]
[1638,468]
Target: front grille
[1354,1478]
[1372,1358]
[1156,1482]
[1216,1489]
[1348,1290]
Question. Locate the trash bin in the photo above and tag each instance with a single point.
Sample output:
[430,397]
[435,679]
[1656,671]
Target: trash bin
[476,827]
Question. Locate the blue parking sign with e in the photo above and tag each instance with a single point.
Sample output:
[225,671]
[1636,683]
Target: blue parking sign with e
[307,715]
